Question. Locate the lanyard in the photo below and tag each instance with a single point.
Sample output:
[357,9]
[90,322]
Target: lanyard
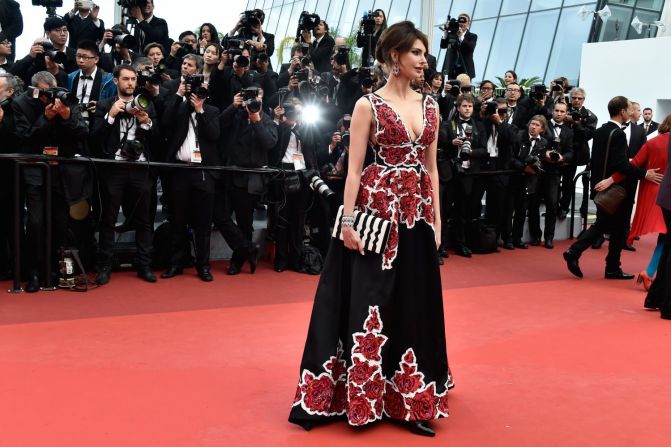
[194,124]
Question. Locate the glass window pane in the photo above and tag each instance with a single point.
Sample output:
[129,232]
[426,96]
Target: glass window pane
[514,6]
[567,49]
[590,4]
[647,17]
[347,18]
[536,44]
[617,26]
[399,8]
[413,12]
[272,17]
[545,4]
[284,27]
[461,6]
[486,9]
[440,14]
[485,31]
[383,5]
[333,14]
[310,6]
[650,4]
[322,8]
[505,45]
[364,5]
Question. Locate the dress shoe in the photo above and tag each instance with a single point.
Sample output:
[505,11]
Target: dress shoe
[464,251]
[520,244]
[535,242]
[598,243]
[204,273]
[103,276]
[146,274]
[561,214]
[279,267]
[508,246]
[645,279]
[629,247]
[422,429]
[618,274]
[443,253]
[234,268]
[571,259]
[665,316]
[441,261]
[549,244]
[171,272]
[33,283]
[253,258]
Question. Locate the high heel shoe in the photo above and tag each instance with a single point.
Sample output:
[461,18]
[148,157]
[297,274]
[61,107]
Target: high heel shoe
[644,278]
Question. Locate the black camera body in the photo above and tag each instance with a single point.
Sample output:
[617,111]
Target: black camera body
[303,74]
[49,50]
[451,29]
[317,184]
[579,116]
[534,162]
[194,84]
[128,4]
[132,150]
[341,55]
[147,76]
[455,87]
[184,49]
[64,95]
[307,21]
[51,5]
[366,76]
[538,91]
[367,24]
[250,99]
[248,21]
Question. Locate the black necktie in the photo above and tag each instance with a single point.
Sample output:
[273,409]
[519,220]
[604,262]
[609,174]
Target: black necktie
[84,78]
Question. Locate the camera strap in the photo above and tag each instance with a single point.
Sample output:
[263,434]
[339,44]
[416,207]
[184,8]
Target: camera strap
[196,156]
[125,125]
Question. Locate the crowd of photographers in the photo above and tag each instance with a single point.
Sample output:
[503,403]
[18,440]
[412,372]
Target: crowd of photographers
[130,93]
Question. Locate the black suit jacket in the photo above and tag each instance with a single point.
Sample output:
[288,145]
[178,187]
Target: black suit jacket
[305,136]
[154,31]
[11,22]
[565,146]
[636,140]
[617,156]
[321,54]
[462,51]
[108,136]
[83,29]
[653,127]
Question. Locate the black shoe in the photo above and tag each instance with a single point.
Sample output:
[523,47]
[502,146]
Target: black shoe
[629,247]
[508,246]
[443,253]
[171,272]
[572,263]
[422,429]
[253,257]
[146,274]
[598,243]
[234,268]
[204,273]
[441,261]
[33,283]
[618,274]
[549,244]
[535,242]
[520,244]
[464,251]
[103,276]
[279,267]
[561,214]
[665,316]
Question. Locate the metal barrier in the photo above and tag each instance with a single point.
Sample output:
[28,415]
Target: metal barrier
[584,223]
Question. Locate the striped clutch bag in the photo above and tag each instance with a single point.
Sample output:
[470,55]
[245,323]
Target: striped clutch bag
[372,230]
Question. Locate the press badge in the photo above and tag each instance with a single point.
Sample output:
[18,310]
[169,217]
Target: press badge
[299,162]
[195,156]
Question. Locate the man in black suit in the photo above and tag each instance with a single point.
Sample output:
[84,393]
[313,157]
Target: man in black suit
[121,129]
[259,40]
[11,21]
[149,28]
[57,32]
[648,125]
[611,142]
[192,131]
[460,48]
[6,52]
[322,47]
[83,24]
[635,140]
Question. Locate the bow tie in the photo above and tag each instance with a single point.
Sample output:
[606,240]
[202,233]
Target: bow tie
[534,139]
[465,121]
[558,126]
[86,77]
[624,126]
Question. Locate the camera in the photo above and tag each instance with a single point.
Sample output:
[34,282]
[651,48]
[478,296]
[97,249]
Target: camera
[249,20]
[303,74]
[57,56]
[534,163]
[455,87]
[290,111]
[538,91]
[262,56]
[139,103]
[184,49]
[147,76]
[468,132]
[366,76]
[122,38]
[451,29]
[132,150]
[250,99]
[241,61]
[317,184]
[51,5]
[307,21]
[367,24]
[579,116]
[54,93]
[465,150]
[128,4]
[491,108]
[194,84]
[341,56]
[282,94]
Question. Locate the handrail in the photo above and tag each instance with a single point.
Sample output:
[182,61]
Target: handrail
[575,183]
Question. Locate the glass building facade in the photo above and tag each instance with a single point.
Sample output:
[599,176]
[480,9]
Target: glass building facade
[533,37]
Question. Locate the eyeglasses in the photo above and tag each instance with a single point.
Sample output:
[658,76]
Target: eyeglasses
[578,98]
[6,43]
[84,58]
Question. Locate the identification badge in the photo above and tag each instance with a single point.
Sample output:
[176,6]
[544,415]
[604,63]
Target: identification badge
[299,162]
[196,156]
[50,150]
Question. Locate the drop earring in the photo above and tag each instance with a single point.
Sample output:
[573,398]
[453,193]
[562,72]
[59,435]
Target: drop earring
[396,70]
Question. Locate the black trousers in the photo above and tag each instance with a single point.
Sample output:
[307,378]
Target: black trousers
[464,192]
[237,234]
[515,212]
[192,200]
[567,188]
[136,185]
[547,190]
[659,295]
[616,225]
[290,228]
[496,187]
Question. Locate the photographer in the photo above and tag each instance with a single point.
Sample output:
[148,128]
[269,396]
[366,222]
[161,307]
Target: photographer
[83,23]
[90,84]
[47,120]
[6,54]
[121,44]
[9,89]
[343,83]
[250,29]
[299,59]
[583,123]
[11,21]
[126,128]
[370,29]
[192,131]
[530,149]
[262,74]
[147,27]
[460,44]
[322,47]
[156,53]
[467,150]
[512,94]
[536,103]
[251,136]
[294,153]
[186,44]
[236,77]
[56,30]
[191,65]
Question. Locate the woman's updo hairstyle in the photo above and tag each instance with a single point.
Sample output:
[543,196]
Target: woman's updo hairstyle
[401,37]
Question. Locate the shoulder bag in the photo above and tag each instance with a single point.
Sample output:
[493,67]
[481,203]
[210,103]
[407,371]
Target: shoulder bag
[610,199]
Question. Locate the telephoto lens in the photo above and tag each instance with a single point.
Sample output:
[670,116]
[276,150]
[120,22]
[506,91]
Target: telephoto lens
[138,104]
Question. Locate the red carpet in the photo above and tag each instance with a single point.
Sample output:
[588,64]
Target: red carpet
[540,359]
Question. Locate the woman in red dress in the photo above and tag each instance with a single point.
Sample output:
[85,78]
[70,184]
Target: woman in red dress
[376,343]
[648,217]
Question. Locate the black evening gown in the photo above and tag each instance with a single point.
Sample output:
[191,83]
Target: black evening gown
[376,343]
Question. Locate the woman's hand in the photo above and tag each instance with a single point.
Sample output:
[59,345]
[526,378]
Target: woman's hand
[352,240]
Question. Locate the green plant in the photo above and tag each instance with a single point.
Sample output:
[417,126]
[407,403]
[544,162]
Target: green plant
[287,42]
[524,83]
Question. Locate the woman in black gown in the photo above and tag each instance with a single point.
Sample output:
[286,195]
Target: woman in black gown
[376,342]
